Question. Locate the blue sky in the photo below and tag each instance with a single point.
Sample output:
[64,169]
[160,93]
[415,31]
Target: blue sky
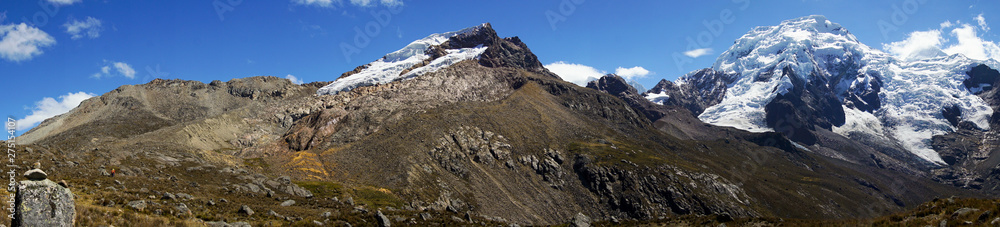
[55,53]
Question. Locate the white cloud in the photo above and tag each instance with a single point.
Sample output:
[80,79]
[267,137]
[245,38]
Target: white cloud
[125,69]
[946,24]
[918,45]
[982,23]
[634,72]
[930,43]
[369,2]
[698,52]
[361,3]
[121,68]
[320,3]
[63,2]
[90,28]
[19,42]
[575,73]
[971,45]
[48,107]
[295,80]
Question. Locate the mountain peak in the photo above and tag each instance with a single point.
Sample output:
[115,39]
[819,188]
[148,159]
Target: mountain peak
[803,28]
[815,24]
[482,34]
[802,43]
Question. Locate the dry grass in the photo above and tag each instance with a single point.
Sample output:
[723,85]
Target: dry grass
[91,215]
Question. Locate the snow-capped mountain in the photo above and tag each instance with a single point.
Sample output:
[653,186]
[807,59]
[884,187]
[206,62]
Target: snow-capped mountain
[810,72]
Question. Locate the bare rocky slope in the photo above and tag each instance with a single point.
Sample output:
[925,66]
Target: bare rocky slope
[492,140]
[972,153]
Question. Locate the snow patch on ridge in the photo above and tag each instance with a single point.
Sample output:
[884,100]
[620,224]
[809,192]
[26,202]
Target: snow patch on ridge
[454,56]
[390,67]
[658,98]
[860,121]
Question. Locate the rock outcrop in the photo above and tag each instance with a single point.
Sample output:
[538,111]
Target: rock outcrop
[455,148]
[639,194]
[702,89]
[617,86]
[42,202]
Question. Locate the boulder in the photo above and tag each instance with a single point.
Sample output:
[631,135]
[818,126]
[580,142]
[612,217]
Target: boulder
[383,221]
[245,210]
[217,224]
[185,196]
[43,203]
[288,203]
[284,184]
[963,211]
[35,175]
[182,209]
[168,196]
[341,223]
[137,205]
[580,220]
[275,214]
[224,224]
